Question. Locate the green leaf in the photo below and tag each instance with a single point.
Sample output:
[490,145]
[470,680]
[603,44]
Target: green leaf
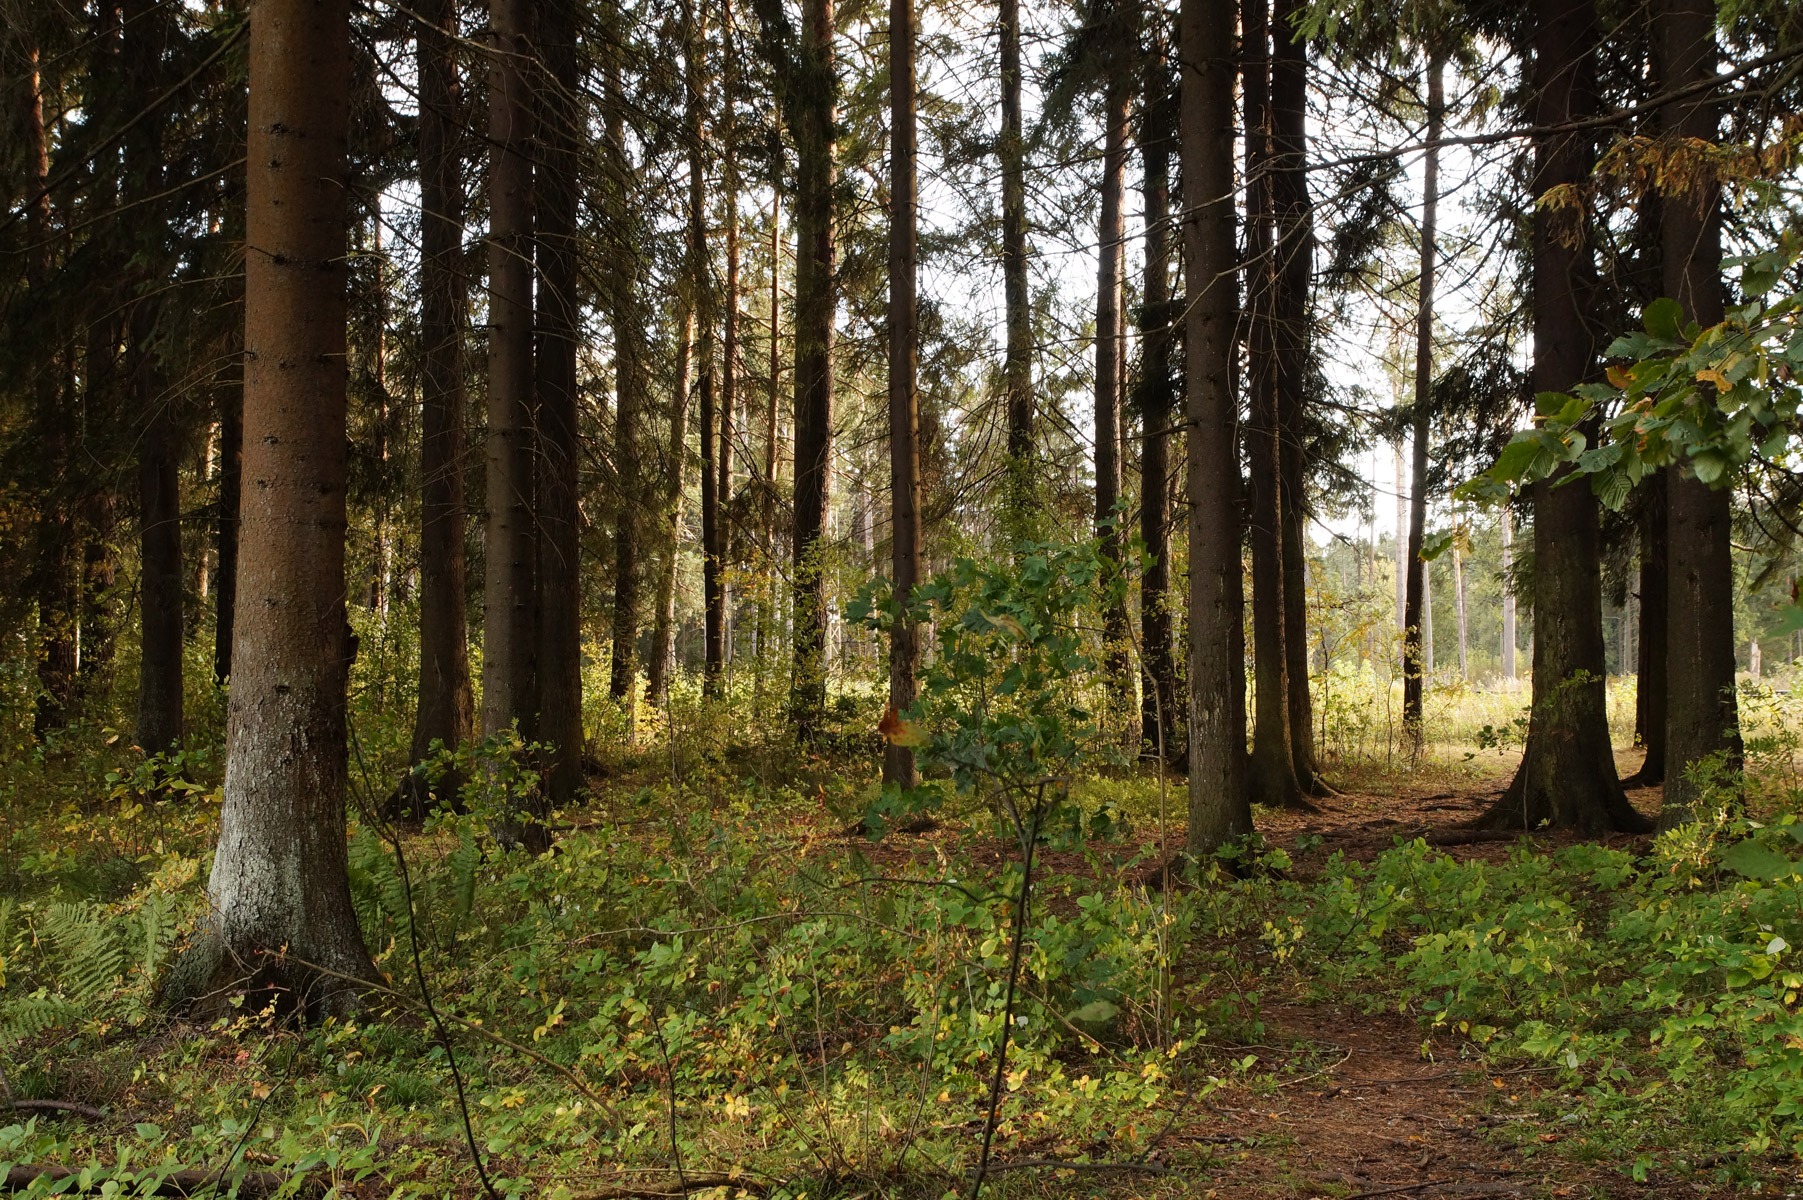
[1612,490]
[1664,319]
[1516,457]
[1756,860]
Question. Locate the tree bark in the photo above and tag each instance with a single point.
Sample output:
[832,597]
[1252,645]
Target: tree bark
[700,274]
[445,711]
[1162,728]
[279,893]
[1219,808]
[1290,336]
[558,660]
[509,536]
[1110,349]
[225,530]
[1414,612]
[1272,767]
[729,351]
[1650,669]
[1017,361]
[1702,717]
[904,401]
[815,294]
[160,565]
[1567,774]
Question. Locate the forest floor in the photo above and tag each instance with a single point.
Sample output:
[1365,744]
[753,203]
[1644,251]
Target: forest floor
[1320,1076]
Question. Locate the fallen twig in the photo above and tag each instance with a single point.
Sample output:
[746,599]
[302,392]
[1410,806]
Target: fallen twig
[68,1106]
[176,1183]
[1405,1187]
[691,1182]
[1033,1164]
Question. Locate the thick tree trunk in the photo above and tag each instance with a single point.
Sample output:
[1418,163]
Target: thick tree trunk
[814,311]
[904,401]
[1567,774]
[1110,351]
[558,660]
[1017,361]
[1650,669]
[1162,728]
[1415,665]
[1702,717]
[1290,335]
[1272,766]
[445,710]
[1219,808]
[279,893]
[509,536]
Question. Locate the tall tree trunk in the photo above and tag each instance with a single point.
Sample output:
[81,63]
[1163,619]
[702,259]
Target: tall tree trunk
[445,709]
[1017,361]
[700,276]
[558,661]
[509,536]
[1219,808]
[1402,540]
[1272,766]
[159,496]
[279,894]
[904,400]
[657,682]
[57,594]
[729,339]
[1290,336]
[1567,774]
[1110,349]
[1508,595]
[1650,669]
[628,398]
[1702,715]
[814,304]
[766,611]
[1162,728]
[225,530]
[1413,614]
[1458,591]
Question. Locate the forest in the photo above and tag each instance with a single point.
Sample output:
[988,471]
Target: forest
[780,600]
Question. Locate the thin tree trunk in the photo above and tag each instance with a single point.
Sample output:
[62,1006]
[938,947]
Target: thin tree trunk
[766,612]
[657,669]
[1402,542]
[279,894]
[1110,349]
[700,273]
[1702,717]
[628,399]
[1272,766]
[1160,726]
[1458,584]
[814,311]
[904,401]
[509,536]
[445,711]
[1655,595]
[57,594]
[557,681]
[1290,336]
[1567,774]
[729,352]
[1219,808]
[1508,595]
[1017,361]
[225,529]
[1415,664]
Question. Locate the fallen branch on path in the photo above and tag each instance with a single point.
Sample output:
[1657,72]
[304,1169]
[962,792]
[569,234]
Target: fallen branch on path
[1406,1187]
[1467,837]
[691,1182]
[1059,1164]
